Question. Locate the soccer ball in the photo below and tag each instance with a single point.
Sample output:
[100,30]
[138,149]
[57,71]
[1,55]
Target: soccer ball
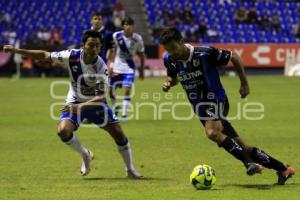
[203,177]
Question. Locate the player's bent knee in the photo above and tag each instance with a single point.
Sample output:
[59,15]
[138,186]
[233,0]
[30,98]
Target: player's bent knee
[64,133]
[116,132]
[127,92]
[247,148]
[64,129]
[212,133]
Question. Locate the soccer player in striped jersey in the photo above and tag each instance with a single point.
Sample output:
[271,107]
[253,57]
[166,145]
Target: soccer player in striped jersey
[127,45]
[195,67]
[86,98]
[106,40]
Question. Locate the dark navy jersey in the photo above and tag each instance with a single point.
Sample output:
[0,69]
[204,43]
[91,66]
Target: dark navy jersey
[106,42]
[199,75]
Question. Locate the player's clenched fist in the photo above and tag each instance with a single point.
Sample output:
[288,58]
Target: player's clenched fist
[8,48]
[166,86]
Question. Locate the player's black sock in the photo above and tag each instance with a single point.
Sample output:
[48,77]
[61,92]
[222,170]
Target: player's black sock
[65,138]
[261,157]
[123,143]
[232,147]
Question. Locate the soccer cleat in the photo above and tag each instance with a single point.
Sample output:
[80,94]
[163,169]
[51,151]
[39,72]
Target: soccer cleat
[86,163]
[133,174]
[285,175]
[253,168]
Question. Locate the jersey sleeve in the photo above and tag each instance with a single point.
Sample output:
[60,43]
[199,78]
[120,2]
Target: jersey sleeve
[114,40]
[104,74]
[219,57]
[140,47]
[171,67]
[60,56]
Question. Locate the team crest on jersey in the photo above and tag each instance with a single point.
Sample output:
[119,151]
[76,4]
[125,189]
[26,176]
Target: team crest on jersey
[196,62]
[74,68]
[90,77]
[210,111]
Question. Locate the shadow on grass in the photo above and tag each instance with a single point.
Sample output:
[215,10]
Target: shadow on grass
[261,186]
[124,179]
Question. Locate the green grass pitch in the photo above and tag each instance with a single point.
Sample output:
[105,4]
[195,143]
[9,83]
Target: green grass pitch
[35,165]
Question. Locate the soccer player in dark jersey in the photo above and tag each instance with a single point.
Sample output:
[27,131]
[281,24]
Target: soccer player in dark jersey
[106,34]
[86,98]
[196,69]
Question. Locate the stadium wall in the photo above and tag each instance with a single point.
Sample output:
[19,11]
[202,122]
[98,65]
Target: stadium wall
[257,58]
[260,55]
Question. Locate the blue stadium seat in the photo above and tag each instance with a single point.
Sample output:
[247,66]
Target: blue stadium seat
[221,18]
[28,16]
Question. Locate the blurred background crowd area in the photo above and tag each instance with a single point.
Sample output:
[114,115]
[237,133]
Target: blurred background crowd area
[51,22]
[54,25]
[228,21]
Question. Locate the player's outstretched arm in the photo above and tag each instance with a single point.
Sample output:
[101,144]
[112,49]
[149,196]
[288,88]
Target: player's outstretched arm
[237,63]
[110,55]
[170,82]
[34,54]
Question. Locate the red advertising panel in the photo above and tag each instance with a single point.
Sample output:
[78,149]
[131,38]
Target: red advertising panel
[261,55]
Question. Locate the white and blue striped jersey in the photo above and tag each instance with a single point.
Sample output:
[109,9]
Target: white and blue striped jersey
[87,80]
[126,48]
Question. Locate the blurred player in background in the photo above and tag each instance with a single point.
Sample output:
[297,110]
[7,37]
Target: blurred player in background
[106,34]
[127,45]
[196,69]
[86,98]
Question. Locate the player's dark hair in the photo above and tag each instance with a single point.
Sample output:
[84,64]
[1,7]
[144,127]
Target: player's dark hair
[127,20]
[170,34]
[97,14]
[91,33]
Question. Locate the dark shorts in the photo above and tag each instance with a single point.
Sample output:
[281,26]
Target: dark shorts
[216,111]
[212,110]
[121,80]
[101,115]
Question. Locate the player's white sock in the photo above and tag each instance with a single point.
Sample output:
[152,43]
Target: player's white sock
[75,144]
[125,151]
[126,104]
